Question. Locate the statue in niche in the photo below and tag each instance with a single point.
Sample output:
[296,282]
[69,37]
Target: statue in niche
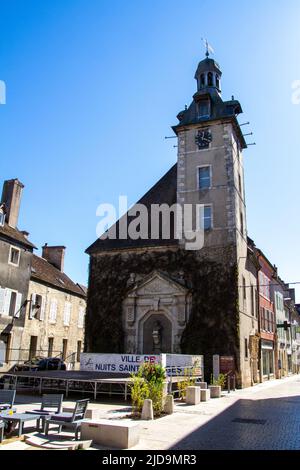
[157,337]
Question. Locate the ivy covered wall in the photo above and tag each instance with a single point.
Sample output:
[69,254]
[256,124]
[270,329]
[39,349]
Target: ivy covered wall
[213,323]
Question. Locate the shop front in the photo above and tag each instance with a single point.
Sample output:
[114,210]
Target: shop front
[267,359]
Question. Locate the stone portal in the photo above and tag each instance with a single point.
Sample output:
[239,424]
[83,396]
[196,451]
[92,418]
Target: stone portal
[155,313]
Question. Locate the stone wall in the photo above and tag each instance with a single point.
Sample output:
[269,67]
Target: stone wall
[46,328]
[213,323]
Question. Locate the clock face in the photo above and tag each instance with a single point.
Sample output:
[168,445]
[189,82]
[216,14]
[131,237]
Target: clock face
[203,139]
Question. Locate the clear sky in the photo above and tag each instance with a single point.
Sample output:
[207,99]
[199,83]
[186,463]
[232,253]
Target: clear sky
[93,86]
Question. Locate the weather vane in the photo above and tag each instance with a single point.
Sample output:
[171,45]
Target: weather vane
[209,48]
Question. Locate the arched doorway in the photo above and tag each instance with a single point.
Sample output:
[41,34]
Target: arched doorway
[157,334]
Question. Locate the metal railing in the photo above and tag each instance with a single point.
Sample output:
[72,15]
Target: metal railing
[15,355]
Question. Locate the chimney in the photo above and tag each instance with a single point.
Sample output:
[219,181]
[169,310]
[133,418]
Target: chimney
[11,197]
[55,255]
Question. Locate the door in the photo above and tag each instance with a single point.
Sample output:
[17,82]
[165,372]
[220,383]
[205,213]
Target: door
[64,351]
[32,347]
[50,346]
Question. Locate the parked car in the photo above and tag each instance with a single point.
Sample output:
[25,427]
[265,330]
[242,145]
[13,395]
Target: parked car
[31,364]
[42,363]
[52,363]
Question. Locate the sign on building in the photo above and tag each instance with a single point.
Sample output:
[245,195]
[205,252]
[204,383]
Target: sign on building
[184,364]
[175,364]
[116,363]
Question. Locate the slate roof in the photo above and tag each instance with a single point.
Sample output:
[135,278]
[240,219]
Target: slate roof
[42,270]
[219,110]
[163,192]
[14,235]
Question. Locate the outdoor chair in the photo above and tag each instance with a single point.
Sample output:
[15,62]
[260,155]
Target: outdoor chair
[7,399]
[51,405]
[69,420]
[1,430]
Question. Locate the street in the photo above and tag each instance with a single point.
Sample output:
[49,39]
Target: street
[266,417]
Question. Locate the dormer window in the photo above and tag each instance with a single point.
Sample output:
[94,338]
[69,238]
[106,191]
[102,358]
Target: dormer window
[204,108]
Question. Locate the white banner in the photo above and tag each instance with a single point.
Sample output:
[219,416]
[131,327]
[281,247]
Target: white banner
[117,363]
[175,364]
[184,364]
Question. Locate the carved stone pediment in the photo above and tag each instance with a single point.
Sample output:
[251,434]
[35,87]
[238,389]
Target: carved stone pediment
[158,284]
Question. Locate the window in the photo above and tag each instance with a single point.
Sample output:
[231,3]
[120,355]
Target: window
[244,289]
[262,318]
[12,305]
[218,81]
[242,223]
[252,301]
[53,311]
[203,108]
[204,177]
[2,219]
[206,216]
[67,313]
[240,184]
[78,351]
[10,302]
[264,285]
[246,348]
[14,256]
[81,317]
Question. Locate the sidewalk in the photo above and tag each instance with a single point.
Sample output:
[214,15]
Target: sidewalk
[170,431]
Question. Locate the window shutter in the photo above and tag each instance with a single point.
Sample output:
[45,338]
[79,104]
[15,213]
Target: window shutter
[7,296]
[2,294]
[67,314]
[18,305]
[42,309]
[32,304]
[53,311]
[81,317]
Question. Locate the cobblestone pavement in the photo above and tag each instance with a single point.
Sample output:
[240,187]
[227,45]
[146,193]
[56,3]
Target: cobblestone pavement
[264,418]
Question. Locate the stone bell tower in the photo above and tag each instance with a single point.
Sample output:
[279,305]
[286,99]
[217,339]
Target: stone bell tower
[210,173]
[210,164]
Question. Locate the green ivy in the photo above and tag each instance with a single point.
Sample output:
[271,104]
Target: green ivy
[214,320]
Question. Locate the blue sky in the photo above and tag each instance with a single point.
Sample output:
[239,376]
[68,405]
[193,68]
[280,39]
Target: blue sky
[93,86]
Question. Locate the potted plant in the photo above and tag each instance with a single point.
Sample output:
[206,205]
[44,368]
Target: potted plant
[216,385]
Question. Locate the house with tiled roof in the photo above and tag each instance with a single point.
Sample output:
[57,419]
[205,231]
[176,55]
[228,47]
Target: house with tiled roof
[15,264]
[42,310]
[54,320]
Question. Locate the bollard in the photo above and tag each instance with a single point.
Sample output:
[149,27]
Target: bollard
[233,378]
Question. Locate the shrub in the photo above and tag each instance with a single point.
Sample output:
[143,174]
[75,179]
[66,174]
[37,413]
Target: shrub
[220,381]
[139,392]
[188,381]
[148,382]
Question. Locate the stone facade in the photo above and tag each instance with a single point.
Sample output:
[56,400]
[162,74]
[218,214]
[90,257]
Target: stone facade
[15,270]
[58,330]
